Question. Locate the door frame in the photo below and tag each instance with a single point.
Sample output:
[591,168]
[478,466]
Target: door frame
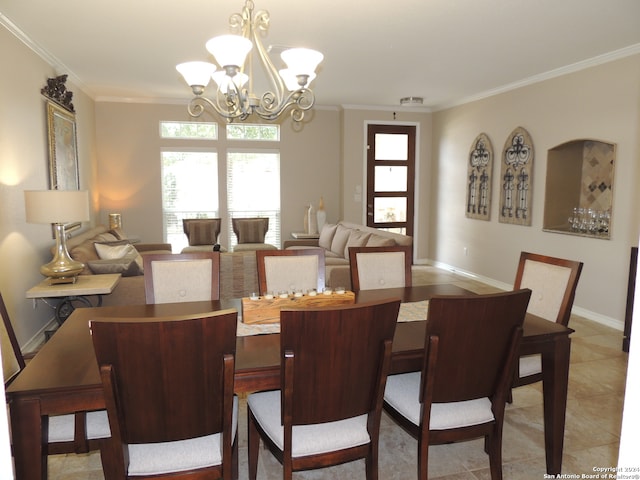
[416,204]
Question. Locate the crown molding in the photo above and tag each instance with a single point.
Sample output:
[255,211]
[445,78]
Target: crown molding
[558,72]
[59,67]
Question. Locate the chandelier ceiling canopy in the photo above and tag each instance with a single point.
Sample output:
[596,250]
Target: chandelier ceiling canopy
[235,98]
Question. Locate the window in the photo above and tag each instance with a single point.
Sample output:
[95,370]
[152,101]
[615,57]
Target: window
[253,189]
[268,133]
[189,190]
[189,130]
[192,178]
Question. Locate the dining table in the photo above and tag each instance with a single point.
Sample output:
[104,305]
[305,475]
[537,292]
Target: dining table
[63,377]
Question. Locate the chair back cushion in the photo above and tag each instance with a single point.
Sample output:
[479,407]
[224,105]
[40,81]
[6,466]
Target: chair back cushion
[380,267]
[337,359]
[185,277]
[289,270]
[201,231]
[169,374]
[250,230]
[474,337]
[291,273]
[553,282]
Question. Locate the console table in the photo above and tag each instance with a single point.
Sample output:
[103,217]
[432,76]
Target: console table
[85,285]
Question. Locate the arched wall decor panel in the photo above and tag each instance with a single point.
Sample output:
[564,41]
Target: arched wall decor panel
[479,178]
[516,175]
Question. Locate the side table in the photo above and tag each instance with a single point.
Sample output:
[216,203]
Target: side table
[305,236]
[86,285]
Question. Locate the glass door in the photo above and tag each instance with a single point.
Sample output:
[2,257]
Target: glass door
[391,177]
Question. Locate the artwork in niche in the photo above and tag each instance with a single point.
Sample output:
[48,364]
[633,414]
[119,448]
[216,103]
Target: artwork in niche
[479,177]
[63,154]
[579,188]
[516,175]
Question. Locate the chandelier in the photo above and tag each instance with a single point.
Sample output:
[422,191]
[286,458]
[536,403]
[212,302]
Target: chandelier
[234,101]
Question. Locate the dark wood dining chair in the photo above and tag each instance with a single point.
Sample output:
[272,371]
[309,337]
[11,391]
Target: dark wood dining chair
[380,267]
[181,277]
[291,269]
[334,364]
[72,433]
[471,350]
[553,282]
[168,386]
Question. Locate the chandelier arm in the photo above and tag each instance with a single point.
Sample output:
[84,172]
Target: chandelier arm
[301,100]
[261,23]
[197,106]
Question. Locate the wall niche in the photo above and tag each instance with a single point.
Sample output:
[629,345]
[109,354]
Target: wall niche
[579,188]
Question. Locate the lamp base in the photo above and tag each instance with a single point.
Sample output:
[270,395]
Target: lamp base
[62,269]
[61,280]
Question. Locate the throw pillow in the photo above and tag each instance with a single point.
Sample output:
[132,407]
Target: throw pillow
[326,235]
[380,241]
[126,266]
[340,239]
[109,251]
[119,250]
[356,239]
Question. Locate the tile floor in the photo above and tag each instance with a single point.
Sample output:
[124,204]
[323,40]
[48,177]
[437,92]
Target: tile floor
[594,415]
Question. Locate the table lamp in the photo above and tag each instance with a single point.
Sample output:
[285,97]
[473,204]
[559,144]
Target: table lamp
[58,207]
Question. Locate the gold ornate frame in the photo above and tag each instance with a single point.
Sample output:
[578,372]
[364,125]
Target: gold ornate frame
[63,150]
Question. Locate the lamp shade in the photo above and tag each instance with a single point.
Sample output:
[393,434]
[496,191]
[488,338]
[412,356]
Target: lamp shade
[56,206]
[302,61]
[196,73]
[229,50]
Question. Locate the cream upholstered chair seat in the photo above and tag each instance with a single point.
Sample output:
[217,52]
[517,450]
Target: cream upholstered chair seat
[307,439]
[61,427]
[182,455]
[402,394]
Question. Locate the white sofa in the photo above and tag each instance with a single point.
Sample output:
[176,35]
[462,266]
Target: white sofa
[336,239]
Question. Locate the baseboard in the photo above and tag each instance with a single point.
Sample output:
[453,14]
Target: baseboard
[582,312]
[34,344]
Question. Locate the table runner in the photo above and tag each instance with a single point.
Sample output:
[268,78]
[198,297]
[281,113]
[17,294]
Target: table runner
[409,312]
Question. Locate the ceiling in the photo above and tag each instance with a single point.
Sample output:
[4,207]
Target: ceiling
[446,51]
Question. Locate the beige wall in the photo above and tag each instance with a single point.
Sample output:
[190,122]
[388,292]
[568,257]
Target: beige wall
[24,166]
[602,103]
[129,167]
